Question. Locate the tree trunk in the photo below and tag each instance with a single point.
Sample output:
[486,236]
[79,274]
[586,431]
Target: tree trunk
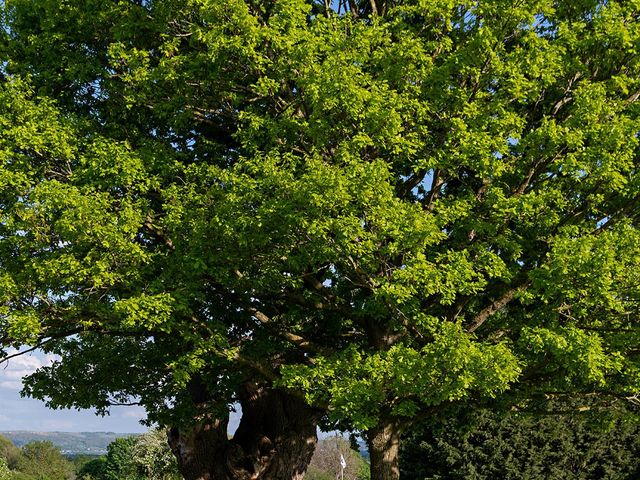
[202,450]
[384,443]
[274,441]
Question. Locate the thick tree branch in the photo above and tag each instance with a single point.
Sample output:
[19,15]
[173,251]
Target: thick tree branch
[535,170]
[410,183]
[434,191]
[566,98]
[495,307]
[158,233]
[632,98]
[266,373]
[374,7]
[297,340]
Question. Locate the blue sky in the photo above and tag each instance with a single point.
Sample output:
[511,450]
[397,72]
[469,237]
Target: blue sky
[17,413]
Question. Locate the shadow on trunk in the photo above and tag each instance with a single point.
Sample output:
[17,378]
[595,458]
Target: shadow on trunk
[384,442]
[274,441]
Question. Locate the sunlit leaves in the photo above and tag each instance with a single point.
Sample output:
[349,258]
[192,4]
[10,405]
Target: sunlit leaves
[356,385]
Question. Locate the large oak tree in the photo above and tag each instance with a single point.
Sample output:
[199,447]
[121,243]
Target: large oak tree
[355,213]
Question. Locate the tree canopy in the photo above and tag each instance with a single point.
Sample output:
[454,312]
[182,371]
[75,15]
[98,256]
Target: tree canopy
[382,208]
[43,461]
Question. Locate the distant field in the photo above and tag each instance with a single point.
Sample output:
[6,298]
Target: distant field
[89,443]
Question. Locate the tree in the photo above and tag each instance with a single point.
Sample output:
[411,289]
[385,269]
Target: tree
[42,460]
[9,452]
[142,457]
[119,463]
[486,444]
[92,469]
[153,458]
[364,215]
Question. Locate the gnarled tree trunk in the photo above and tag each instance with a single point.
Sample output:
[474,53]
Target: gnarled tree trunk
[384,444]
[274,441]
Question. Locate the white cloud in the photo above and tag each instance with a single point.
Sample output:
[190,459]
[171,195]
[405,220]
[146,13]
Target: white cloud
[11,384]
[15,369]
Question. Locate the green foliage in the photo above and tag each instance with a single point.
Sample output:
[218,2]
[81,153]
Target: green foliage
[153,458]
[18,475]
[357,384]
[389,213]
[9,452]
[486,444]
[90,468]
[43,461]
[119,460]
[314,473]
[143,457]
[5,473]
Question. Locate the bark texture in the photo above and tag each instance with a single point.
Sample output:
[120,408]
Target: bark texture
[274,441]
[384,443]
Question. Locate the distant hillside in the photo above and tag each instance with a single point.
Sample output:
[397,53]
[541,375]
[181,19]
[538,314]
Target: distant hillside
[90,443]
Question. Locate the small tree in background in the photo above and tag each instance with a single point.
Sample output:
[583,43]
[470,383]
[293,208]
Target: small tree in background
[142,457]
[92,469]
[325,463]
[119,463]
[9,452]
[44,461]
[152,456]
